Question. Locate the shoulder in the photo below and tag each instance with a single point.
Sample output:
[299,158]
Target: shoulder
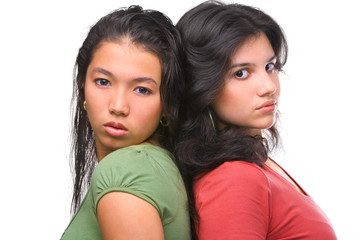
[136,160]
[234,176]
[145,171]
[235,171]
[239,168]
[125,166]
[233,201]
[136,155]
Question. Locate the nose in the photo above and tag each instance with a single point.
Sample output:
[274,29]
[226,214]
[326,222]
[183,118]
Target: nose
[268,84]
[118,104]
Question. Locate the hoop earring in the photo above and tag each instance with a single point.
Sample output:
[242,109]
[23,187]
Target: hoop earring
[84,105]
[212,120]
[163,122]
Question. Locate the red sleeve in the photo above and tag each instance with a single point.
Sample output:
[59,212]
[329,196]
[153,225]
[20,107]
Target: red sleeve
[233,202]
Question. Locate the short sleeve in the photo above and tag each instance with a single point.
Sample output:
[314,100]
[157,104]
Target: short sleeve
[233,202]
[147,172]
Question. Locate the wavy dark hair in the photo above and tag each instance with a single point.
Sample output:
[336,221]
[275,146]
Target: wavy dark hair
[211,33]
[156,33]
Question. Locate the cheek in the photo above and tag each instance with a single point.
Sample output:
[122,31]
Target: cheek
[156,112]
[230,98]
[276,81]
[149,111]
[95,107]
[151,119]
[91,104]
[279,88]
[88,96]
[224,103]
[93,114]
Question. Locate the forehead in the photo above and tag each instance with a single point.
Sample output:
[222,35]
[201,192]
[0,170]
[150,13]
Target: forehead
[254,48]
[125,60]
[122,47]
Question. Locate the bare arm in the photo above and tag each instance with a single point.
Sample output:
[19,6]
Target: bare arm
[125,216]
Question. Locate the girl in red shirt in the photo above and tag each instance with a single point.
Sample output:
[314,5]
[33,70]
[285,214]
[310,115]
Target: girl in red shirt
[234,54]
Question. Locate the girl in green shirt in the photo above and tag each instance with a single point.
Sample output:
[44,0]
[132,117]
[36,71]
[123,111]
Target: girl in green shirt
[128,80]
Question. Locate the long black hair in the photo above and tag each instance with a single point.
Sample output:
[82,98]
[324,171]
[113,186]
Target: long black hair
[211,33]
[151,30]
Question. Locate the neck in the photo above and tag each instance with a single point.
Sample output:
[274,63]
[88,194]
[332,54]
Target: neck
[255,132]
[101,154]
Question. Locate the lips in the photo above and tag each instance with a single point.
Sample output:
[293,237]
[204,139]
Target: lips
[115,129]
[268,106]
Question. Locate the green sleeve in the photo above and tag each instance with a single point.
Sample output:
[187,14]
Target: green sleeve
[145,171]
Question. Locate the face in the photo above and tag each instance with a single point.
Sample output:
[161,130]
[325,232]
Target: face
[250,95]
[122,93]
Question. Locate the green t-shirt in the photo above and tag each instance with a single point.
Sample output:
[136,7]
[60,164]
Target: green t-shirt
[145,171]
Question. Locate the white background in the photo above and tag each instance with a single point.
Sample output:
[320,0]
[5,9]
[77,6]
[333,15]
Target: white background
[38,46]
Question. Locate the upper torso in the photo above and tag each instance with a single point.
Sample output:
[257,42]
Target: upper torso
[240,200]
[145,171]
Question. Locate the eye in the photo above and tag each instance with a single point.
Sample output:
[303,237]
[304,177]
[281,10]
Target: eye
[270,67]
[102,82]
[142,91]
[242,74]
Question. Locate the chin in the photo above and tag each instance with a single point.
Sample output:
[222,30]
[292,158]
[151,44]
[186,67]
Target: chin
[268,125]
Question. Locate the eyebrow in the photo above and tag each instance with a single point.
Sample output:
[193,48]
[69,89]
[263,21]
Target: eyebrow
[137,80]
[102,70]
[145,79]
[249,64]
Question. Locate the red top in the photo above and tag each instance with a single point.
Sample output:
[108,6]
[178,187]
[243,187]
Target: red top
[240,200]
